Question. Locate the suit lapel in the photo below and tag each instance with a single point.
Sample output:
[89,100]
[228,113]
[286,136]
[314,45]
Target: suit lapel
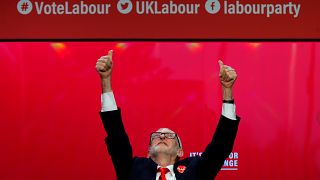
[179,174]
[152,169]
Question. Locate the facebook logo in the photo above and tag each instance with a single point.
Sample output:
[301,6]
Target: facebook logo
[212,6]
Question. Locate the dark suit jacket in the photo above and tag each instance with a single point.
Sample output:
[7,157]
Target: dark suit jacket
[140,168]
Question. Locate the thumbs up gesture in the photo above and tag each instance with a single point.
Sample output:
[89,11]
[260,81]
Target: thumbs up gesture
[104,65]
[227,75]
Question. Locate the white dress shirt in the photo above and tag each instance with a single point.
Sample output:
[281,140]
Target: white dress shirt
[170,175]
[108,103]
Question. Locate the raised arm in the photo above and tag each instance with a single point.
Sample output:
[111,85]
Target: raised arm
[117,140]
[220,147]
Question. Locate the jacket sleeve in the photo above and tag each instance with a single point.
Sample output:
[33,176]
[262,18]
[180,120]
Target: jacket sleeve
[118,143]
[212,159]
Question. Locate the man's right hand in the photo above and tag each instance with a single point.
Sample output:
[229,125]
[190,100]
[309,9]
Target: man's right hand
[104,66]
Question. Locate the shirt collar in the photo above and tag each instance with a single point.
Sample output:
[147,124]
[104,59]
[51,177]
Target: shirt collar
[170,167]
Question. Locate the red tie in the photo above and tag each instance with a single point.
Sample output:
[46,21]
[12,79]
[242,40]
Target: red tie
[163,172]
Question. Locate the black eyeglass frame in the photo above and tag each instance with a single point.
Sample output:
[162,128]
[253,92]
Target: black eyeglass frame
[165,135]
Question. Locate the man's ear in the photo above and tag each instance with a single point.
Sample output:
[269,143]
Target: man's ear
[180,153]
[148,152]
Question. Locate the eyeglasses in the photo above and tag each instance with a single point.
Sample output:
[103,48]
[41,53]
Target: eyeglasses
[156,135]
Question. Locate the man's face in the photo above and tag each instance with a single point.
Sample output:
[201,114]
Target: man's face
[163,144]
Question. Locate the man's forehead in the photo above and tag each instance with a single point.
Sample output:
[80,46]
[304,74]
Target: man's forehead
[165,130]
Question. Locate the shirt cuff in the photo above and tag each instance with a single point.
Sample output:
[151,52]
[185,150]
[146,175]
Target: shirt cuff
[108,102]
[229,111]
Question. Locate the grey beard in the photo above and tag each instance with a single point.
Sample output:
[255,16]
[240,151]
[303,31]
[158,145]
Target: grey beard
[154,153]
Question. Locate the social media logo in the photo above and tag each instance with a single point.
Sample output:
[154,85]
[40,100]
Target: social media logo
[212,6]
[24,7]
[124,6]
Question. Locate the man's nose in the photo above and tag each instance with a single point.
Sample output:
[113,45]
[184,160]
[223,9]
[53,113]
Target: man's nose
[162,136]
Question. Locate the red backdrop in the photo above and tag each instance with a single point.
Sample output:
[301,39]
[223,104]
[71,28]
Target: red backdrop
[50,99]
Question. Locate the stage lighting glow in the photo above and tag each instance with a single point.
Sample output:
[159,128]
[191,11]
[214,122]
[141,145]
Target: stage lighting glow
[60,49]
[194,46]
[254,45]
[58,46]
[122,46]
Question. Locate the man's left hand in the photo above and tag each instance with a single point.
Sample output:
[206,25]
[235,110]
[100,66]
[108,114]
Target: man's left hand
[227,75]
